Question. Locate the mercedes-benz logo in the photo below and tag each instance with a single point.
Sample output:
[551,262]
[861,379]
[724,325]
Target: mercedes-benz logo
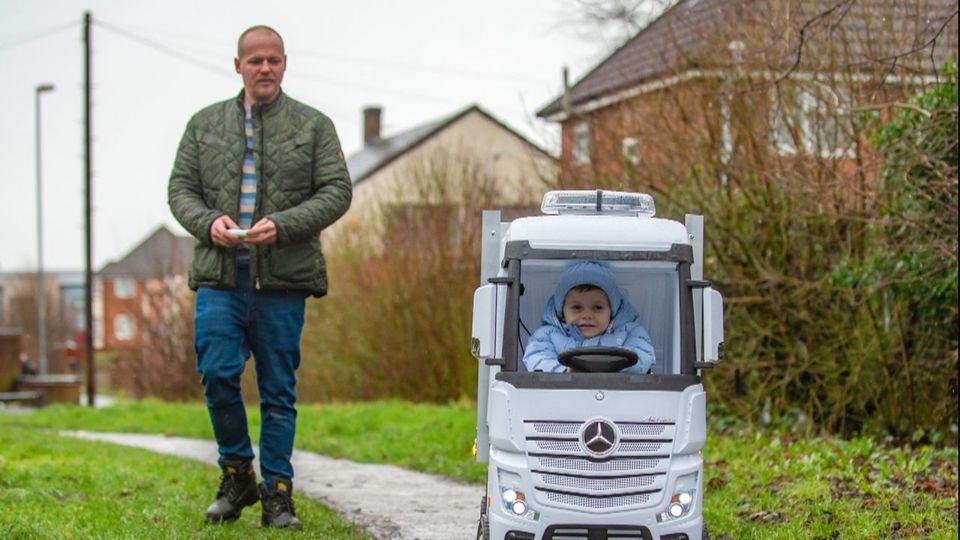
[599,437]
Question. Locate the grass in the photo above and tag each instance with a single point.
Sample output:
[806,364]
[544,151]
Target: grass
[772,485]
[765,484]
[59,487]
[430,438]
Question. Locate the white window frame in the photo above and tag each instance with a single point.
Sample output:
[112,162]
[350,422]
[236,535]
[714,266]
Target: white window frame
[630,147]
[726,137]
[124,327]
[581,144]
[124,288]
[801,122]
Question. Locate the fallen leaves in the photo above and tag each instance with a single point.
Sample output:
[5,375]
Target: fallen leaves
[765,517]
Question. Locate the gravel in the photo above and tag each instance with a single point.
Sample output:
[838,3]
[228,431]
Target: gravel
[387,501]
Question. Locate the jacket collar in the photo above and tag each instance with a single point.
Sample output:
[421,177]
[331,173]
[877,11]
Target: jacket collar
[266,109]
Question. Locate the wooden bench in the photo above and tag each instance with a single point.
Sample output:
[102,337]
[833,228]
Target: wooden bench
[16,397]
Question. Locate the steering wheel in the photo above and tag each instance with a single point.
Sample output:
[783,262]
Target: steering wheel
[598,359]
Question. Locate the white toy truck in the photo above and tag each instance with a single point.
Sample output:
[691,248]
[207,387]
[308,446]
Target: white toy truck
[594,454]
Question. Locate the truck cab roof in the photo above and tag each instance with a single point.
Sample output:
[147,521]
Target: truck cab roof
[616,232]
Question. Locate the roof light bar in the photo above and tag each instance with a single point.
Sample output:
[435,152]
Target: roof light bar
[597,202]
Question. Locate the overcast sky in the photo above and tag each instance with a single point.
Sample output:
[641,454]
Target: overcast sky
[156,63]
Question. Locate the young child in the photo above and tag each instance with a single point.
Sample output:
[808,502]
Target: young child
[587,309]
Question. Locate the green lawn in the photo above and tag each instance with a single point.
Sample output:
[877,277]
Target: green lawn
[758,484]
[60,487]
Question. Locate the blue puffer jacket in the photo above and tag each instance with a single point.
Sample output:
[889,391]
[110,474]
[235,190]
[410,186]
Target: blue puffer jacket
[555,336]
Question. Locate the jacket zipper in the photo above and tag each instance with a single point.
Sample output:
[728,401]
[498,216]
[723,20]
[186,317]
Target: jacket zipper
[243,134]
[260,185]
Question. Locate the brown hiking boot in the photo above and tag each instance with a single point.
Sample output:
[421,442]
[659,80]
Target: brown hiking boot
[238,489]
[276,503]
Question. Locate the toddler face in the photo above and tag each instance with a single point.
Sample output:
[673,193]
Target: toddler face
[589,310]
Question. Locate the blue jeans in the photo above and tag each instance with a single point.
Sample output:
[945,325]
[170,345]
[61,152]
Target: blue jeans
[229,325]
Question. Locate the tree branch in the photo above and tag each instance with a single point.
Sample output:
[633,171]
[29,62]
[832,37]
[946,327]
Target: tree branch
[892,104]
[844,4]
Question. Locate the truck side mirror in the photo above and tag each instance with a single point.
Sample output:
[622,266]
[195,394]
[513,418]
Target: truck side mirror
[712,325]
[483,342]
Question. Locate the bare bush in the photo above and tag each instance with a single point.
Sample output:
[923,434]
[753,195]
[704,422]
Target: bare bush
[397,320]
[162,364]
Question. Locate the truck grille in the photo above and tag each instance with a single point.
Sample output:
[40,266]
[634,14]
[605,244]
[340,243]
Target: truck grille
[632,475]
[604,503]
[599,485]
[586,532]
[587,465]
[628,447]
[556,428]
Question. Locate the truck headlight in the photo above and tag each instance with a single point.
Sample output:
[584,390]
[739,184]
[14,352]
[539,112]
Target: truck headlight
[681,502]
[514,501]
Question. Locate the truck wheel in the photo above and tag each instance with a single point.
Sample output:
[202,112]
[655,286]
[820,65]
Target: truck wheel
[483,528]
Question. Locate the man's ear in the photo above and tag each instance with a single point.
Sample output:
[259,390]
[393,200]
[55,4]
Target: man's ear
[236,64]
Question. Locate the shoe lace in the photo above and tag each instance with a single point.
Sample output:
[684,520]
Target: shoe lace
[230,485]
[279,503]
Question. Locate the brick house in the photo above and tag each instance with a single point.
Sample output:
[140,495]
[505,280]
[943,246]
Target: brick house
[722,81]
[126,285]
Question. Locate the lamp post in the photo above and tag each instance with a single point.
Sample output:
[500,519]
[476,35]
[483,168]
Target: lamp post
[41,304]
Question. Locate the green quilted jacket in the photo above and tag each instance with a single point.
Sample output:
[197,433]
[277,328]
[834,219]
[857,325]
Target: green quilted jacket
[302,186]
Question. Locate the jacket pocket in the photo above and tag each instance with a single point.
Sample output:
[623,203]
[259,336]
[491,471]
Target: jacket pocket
[295,171]
[297,263]
[207,265]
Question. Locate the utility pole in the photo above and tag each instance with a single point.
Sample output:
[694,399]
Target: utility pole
[41,290]
[88,217]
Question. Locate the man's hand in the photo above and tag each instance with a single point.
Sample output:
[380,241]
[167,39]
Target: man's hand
[263,232]
[219,235]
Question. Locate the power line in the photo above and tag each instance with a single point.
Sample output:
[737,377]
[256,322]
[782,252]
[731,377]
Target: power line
[301,75]
[420,67]
[175,35]
[164,49]
[361,86]
[35,35]
[354,59]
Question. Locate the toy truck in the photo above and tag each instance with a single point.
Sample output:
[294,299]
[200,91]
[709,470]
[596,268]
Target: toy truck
[594,453]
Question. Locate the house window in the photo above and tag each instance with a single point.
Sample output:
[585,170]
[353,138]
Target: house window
[581,143]
[123,327]
[123,288]
[813,122]
[631,151]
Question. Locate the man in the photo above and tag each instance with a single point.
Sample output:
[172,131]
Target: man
[256,178]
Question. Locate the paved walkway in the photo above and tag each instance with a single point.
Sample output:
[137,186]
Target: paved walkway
[389,502]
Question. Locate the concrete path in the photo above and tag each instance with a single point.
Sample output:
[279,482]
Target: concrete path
[389,502]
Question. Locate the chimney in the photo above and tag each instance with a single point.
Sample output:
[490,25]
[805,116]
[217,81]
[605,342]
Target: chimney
[371,124]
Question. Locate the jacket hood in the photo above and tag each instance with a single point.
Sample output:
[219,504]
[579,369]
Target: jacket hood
[593,273]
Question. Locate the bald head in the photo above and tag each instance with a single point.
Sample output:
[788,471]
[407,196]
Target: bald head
[260,29]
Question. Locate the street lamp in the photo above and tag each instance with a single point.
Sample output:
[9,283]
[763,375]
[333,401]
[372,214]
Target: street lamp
[41,305]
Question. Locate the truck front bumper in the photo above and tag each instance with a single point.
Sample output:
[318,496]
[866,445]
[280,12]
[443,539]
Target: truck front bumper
[501,528]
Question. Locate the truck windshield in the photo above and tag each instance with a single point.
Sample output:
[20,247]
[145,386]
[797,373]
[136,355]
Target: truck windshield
[651,287]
